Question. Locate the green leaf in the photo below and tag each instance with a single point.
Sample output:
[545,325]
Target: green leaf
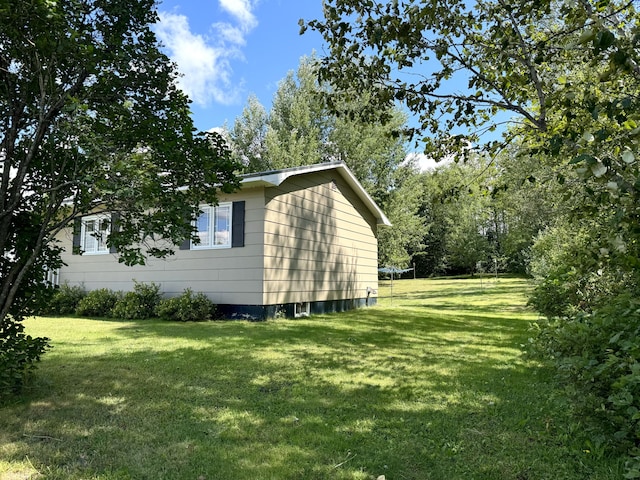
[588,137]
[598,169]
[583,158]
[612,187]
[586,36]
[603,40]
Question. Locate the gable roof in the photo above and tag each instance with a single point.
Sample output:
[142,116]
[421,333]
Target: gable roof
[274,178]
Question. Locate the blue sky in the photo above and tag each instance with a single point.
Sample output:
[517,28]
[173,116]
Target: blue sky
[229,49]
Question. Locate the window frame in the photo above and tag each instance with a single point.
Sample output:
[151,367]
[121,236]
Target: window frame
[301,309]
[211,211]
[101,243]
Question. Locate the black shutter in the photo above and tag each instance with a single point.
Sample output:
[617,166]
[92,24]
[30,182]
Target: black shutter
[115,226]
[77,229]
[237,227]
[186,243]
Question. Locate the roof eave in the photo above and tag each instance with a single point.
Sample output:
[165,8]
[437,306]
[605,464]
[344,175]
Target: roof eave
[277,177]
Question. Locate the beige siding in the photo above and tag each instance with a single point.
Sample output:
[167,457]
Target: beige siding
[320,241]
[310,239]
[227,276]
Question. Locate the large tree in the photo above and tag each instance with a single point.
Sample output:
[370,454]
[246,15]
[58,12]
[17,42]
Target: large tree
[247,136]
[301,129]
[514,56]
[91,119]
[297,126]
[566,75]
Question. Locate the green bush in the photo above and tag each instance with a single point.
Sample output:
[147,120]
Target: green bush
[65,300]
[551,297]
[598,355]
[98,303]
[18,354]
[140,303]
[188,307]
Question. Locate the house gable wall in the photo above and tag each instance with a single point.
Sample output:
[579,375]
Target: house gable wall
[320,241]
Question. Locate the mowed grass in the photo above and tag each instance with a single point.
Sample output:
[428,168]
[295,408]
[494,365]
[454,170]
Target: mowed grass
[430,384]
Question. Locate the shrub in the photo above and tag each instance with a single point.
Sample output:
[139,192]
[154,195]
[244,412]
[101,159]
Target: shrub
[98,303]
[187,307]
[552,298]
[140,303]
[598,354]
[18,354]
[573,274]
[65,300]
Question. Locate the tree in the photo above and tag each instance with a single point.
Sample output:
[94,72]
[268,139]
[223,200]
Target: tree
[401,204]
[514,56]
[375,151]
[456,209]
[91,119]
[301,130]
[248,134]
[568,73]
[526,199]
[487,211]
[296,132]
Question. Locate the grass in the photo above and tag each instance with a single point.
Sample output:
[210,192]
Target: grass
[430,384]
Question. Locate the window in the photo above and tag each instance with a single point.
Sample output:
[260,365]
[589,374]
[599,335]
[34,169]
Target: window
[214,227]
[301,310]
[93,234]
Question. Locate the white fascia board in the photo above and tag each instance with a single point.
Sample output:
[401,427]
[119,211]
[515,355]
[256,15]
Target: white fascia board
[363,195]
[276,178]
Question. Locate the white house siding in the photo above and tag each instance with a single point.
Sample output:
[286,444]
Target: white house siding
[320,241]
[227,276]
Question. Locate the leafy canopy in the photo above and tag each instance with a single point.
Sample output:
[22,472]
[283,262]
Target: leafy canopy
[517,57]
[566,74]
[91,119]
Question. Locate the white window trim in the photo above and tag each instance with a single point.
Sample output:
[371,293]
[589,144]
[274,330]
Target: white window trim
[83,234]
[211,209]
[301,309]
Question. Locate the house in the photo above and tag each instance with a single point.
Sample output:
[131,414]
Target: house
[294,241]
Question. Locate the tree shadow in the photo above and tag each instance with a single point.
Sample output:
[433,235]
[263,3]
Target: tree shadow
[352,396]
[316,234]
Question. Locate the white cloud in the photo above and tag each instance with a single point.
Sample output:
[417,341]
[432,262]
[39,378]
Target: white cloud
[205,61]
[425,163]
[241,10]
[229,34]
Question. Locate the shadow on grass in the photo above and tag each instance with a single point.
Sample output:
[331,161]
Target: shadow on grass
[386,391]
[299,418]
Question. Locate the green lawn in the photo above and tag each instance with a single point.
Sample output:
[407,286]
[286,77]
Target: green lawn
[432,384]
